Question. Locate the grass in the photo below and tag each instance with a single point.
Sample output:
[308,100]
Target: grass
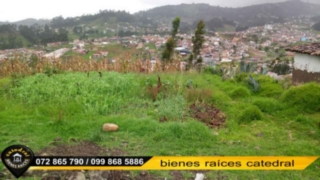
[72,105]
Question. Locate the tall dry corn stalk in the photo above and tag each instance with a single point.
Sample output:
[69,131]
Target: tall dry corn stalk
[78,64]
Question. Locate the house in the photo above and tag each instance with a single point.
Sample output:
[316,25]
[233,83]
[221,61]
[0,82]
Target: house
[104,53]
[96,56]
[306,67]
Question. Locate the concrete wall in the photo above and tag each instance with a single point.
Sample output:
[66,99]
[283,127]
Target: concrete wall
[306,68]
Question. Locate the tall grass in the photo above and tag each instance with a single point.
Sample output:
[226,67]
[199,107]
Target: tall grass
[104,95]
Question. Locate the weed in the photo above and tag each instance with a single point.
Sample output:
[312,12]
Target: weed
[305,97]
[197,95]
[240,92]
[241,77]
[250,114]
[271,90]
[172,108]
[268,105]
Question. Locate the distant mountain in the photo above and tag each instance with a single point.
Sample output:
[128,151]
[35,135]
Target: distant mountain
[249,16]
[31,21]
[3,22]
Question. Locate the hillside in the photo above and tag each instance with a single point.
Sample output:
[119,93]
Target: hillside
[255,15]
[31,21]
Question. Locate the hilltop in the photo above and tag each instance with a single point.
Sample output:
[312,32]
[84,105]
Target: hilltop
[255,15]
[158,20]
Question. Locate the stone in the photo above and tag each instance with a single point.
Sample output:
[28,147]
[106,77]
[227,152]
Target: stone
[110,127]
[199,176]
[77,176]
[221,115]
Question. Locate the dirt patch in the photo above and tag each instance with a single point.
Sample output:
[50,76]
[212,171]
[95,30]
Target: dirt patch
[83,148]
[209,115]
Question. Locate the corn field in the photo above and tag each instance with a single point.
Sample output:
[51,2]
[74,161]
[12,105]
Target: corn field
[78,64]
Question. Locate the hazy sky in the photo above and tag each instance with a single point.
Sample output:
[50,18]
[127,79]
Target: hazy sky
[14,10]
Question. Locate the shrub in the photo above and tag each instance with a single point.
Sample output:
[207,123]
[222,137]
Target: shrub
[171,108]
[250,114]
[305,97]
[241,77]
[271,90]
[220,98]
[240,92]
[209,70]
[268,105]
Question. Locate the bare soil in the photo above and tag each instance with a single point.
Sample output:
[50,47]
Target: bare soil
[208,114]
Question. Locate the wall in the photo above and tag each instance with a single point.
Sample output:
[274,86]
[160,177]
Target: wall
[306,68]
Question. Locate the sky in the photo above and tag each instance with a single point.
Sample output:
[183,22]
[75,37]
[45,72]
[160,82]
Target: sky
[15,10]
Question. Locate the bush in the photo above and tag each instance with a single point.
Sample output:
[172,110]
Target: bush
[241,77]
[268,105]
[250,114]
[171,108]
[240,92]
[271,90]
[305,97]
[220,98]
[209,70]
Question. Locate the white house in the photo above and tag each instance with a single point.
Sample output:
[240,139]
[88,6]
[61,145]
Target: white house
[306,67]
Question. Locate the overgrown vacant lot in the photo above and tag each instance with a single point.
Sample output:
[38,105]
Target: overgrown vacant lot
[39,110]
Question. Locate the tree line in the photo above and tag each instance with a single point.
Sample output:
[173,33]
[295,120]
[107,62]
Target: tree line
[36,35]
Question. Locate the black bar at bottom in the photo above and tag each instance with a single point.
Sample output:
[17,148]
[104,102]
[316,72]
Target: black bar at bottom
[90,161]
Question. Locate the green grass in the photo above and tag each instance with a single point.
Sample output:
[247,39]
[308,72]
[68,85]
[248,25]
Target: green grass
[71,105]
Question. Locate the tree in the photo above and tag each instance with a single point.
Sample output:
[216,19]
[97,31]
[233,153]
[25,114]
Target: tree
[175,25]
[198,40]
[171,42]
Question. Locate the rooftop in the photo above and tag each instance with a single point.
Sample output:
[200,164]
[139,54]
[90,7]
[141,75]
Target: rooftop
[312,49]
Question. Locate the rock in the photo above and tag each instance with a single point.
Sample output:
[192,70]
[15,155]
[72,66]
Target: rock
[199,176]
[110,127]
[45,174]
[216,133]
[221,115]
[44,154]
[77,176]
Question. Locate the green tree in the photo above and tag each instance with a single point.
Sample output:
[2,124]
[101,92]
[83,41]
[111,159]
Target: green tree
[198,40]
[175,25]
[171,42]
